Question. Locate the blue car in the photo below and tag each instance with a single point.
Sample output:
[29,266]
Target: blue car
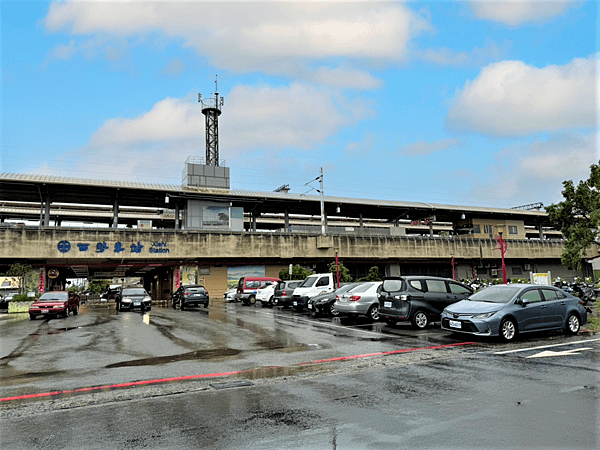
[508,310]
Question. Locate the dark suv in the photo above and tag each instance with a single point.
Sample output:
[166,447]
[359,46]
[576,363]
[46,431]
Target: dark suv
[420,299]
[282,296]
[191,295]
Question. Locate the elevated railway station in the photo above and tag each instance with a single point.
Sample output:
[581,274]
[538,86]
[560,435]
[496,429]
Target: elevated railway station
[173,234]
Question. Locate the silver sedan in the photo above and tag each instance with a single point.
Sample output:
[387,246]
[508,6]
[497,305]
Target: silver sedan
[362,300]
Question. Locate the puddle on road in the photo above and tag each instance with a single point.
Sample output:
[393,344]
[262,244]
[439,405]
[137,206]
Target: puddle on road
[218,354]
[282,371]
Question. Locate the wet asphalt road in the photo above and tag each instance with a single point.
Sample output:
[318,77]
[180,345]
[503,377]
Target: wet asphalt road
[286,386]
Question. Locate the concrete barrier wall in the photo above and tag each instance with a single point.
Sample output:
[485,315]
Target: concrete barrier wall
[62,244]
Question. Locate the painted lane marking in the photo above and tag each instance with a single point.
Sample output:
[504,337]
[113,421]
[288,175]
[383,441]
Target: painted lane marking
[544,346]
[216,375]
[547,353]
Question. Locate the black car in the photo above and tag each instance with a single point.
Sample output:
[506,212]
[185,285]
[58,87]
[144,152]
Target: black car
[130,298]
[321,305]
[190,296]
[420,299]
[282,295]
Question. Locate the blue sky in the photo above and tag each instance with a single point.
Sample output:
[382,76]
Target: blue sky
[479,103]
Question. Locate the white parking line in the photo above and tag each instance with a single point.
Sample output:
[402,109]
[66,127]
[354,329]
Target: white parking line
[544,346]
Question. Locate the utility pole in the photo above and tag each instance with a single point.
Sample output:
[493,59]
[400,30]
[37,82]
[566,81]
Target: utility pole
[322,203]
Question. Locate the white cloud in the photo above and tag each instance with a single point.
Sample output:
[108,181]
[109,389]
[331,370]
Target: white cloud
[155,144]
[510,98]
[534,172]
[421,148]
[271,37]
[517,12]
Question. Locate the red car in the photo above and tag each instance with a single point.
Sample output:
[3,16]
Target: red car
[58,303]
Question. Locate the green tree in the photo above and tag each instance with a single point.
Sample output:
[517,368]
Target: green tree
[344,273]
[20,271]
[98,286]
[578,217]
[298,273]
[373,274]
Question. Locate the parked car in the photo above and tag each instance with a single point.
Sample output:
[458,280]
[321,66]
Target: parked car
[284,290]
[189,296]
[130,298]
[265,295]
[58,303]
[5,301]
[322,304]
[248,287]
[229,296]
[361,300]
[313,285]
[420,299]
[112,293]
[507,310]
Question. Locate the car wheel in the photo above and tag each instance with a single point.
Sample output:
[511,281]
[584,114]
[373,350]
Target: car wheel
[573,324]
[373,312]
[66,313]
[76,311]
[334,312]
[206,305]
[420,319]
[391,322]
[508,329]
[182,308]
[275,301]
[32,316]
[252,299]
[298,308]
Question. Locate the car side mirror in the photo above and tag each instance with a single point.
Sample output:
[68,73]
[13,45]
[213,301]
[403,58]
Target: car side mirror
[523,302]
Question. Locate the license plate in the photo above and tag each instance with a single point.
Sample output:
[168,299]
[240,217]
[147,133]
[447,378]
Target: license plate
[137,303]
[44,311]
[454,324]
[295,303]
[387,304]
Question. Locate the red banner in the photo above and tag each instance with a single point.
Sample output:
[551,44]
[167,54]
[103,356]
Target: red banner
[42,286]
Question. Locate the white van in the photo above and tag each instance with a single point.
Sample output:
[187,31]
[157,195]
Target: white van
[312,285]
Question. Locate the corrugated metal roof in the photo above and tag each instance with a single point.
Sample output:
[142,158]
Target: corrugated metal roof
[279,196]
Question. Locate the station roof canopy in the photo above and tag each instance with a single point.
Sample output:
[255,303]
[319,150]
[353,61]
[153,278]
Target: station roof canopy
[79,191]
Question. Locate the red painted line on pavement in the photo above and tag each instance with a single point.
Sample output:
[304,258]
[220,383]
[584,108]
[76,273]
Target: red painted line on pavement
[216,375]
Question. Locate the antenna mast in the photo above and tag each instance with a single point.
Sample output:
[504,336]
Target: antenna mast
[211,108]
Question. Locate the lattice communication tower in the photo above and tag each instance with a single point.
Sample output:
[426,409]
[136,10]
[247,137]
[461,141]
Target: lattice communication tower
[211,108]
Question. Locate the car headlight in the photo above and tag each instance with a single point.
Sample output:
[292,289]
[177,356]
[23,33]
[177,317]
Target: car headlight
[59,306]
[126,300]
[484,315]
[147,299]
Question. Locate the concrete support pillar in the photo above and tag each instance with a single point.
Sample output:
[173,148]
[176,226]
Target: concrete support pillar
[115,222]
[46,222]
[254,215]
[287,220]
[177,216]
[541,231]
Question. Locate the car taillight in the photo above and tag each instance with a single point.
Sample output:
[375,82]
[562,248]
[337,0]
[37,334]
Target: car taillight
[186,293]
[283,292]
[355,298]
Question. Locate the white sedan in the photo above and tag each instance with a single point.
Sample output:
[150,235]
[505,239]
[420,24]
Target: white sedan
[265,295]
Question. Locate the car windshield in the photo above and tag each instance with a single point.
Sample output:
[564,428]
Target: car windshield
[308,282]
[137,291]
[496,294]
[53,297]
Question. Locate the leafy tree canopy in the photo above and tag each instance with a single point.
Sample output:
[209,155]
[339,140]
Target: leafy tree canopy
[344,273]
[578,217]
[298,273]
